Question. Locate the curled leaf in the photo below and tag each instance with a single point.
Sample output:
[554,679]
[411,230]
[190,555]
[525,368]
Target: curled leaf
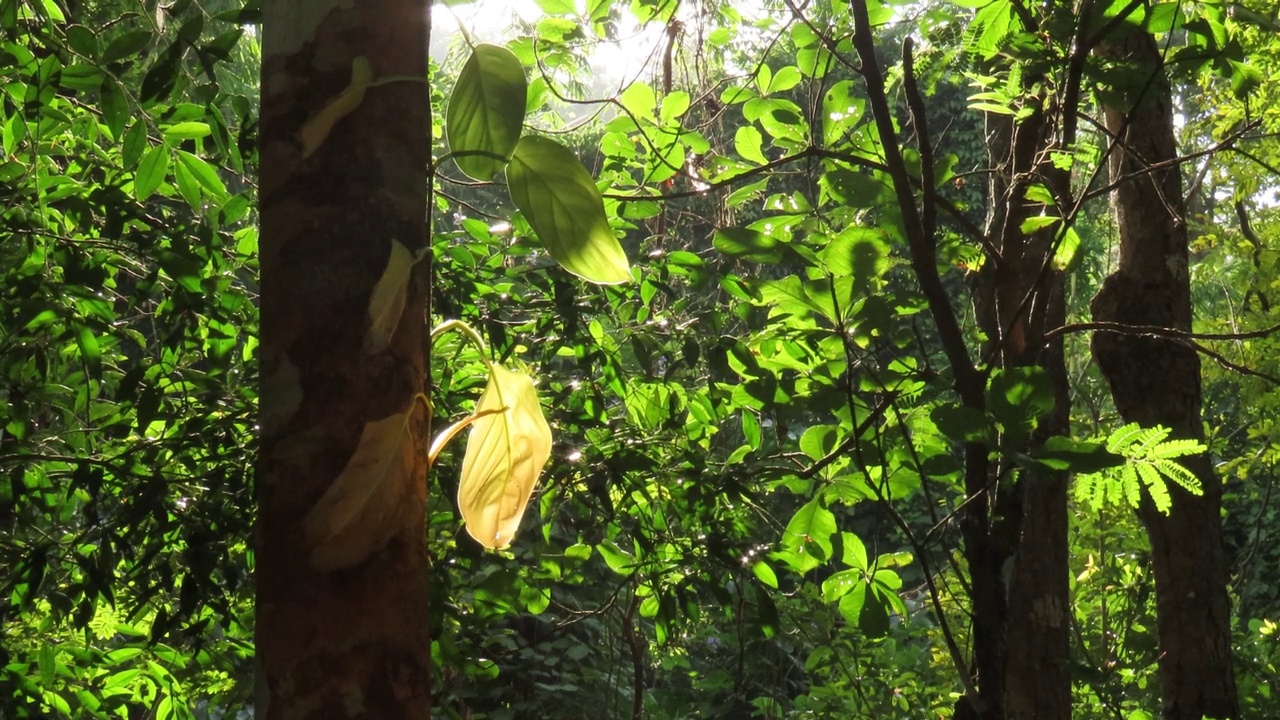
[509,444]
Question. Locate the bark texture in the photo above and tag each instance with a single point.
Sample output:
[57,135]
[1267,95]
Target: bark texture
[350,642]
[1157,381]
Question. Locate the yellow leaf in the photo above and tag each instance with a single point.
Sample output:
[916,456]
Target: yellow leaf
[316,129]
[357,514]
[509,444]
[386,303]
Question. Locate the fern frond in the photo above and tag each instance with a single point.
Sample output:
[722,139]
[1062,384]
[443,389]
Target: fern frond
[1129,486]
[1156,487]
[1179,474]
[1149,438]
[1122,438]
[1176,448]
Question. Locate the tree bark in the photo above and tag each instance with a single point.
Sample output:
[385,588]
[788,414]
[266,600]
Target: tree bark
[1157,382]
[1024,649]
[344,638]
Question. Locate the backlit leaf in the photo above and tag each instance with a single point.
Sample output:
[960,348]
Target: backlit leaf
[151,172]
[486,111]
[560,200]
[506,451]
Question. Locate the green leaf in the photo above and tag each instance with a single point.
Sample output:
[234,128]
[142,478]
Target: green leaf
[617,560]
[811,527]
[151,172]
[127,45]
[874,618]
[674,105]
[203,173]
[960,423]
[747,244]
[1018,396]
[764,573]
[560,201]
[486,111]
[1063,453]
[191,130]
[853,552]
[748,142]
[115,106]
[90,352]
[840,584]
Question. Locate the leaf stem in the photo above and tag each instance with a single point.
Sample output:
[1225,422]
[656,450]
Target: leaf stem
[470,333]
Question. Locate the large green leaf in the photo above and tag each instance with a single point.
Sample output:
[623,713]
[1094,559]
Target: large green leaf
[486,111]
[560,200]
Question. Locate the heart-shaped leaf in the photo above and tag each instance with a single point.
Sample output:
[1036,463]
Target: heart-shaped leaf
[509,443]
[560,200]
[486,111]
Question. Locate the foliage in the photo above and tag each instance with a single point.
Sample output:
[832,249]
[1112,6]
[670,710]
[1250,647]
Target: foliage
[751,502]
[127,328]
[1150,460]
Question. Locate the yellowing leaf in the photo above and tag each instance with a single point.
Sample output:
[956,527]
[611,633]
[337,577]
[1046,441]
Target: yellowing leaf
[506,450]
[387,301]
[357,514]
[316,129]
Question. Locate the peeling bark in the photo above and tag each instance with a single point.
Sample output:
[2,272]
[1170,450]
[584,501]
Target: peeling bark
[352,642]
[1157,381]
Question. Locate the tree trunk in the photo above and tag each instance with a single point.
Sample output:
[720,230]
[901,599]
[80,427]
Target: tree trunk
[1024,648]
[341,625]
[1157,382]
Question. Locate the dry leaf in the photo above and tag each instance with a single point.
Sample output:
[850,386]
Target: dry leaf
[386,303]
[506,451]
[356,515]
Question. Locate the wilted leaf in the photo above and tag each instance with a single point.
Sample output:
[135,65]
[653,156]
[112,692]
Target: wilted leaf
[386,303]
[486,111]
[505,454]
[355,515]
[316,129]
[560,200]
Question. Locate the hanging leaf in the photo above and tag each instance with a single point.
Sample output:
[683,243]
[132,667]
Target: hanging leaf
[505,454]
[355,515]
[486,111]
[386,303]
[560,200]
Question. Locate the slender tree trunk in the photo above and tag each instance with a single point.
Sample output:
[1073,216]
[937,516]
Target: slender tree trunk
[341,633]
[1022,652]
[1157,382]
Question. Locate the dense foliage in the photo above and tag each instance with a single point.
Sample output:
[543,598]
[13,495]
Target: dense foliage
[752,503]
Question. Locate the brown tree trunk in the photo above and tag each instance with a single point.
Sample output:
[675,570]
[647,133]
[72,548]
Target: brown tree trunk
[341,629]
[1157,382]
[1023,649]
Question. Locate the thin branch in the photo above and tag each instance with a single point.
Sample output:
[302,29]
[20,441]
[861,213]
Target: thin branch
[919,121]
[1182,337]
[1155,331]
[923,253]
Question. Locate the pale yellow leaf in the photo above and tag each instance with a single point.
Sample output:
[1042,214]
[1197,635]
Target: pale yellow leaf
[356,515]
[506,451]
[316,129]
[386,303]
